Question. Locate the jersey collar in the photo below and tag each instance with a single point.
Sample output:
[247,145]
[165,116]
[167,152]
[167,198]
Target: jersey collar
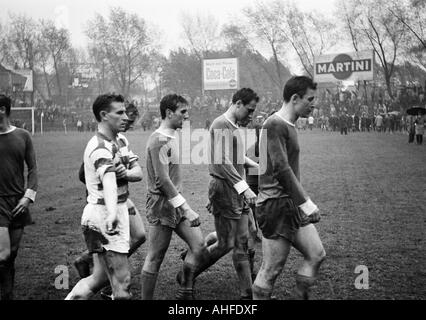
[229,120]
[286,121]
[12,128]
[166,134]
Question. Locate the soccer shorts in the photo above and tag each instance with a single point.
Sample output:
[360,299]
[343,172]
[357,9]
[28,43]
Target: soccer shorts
[7,220]
[225,201]
[279,217]
[93,222]
[159,211]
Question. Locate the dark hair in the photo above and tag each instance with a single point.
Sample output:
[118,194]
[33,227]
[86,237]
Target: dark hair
[132,111]
[246,95]
[298,85]
[170,101]
[103,103]
[5,102]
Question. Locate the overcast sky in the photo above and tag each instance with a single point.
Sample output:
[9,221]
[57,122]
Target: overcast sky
[165,14]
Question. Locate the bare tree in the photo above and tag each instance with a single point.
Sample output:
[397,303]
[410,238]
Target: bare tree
[412,14]
[4,50]
[378,29]
[263,22]
[57,43]
[23,40]
[202,33]
[123,42]
[237,35]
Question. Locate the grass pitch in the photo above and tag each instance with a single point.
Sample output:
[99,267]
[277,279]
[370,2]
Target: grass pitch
[370,187]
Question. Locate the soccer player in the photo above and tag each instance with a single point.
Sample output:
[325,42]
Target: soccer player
[16,148]
[108,165]
[229,194]
[252,181]
[285,212]
[167,209]
[137,228]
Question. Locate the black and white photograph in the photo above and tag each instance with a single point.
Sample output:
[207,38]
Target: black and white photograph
[212,150]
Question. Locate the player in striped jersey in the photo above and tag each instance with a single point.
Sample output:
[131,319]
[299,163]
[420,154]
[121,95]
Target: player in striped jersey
[105,219]
[137,228]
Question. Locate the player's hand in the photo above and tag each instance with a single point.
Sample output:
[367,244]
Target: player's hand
[22,205]
[312,218]
[250,196]
[193,217]
[121,171]
[111,225]
[316,216]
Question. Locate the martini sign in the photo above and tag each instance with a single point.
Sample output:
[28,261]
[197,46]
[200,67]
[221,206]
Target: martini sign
[352,66]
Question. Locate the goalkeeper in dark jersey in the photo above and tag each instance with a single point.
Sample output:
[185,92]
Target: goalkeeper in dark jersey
[16,148]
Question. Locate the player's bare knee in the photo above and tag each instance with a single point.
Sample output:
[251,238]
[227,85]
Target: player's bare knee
[198,249]
[155,259]
[317,258]
[4,255]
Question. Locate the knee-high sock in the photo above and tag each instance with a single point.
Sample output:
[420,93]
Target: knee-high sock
[7,277]
[303,286]
[261,293]
[188,275]
[81,291]
[148,281]
[242,267]
[251,254]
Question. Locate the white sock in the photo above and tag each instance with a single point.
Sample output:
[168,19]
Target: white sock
[81,291]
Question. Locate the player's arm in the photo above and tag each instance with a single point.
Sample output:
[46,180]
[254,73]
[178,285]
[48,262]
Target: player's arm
[133,174]
[225,166]
[81,175]
[249,163]
[32,180]
[103,162]
[160,162]
[109,183]
[277,149]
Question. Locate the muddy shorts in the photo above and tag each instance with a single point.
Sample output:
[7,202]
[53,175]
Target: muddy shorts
[93,223]
[159,211]
[7,220]
[225,201]
[279,217]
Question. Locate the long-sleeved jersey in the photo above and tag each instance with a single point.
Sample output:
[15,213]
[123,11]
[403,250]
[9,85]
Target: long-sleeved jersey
[280,168]
[16,148]
[163,167]
[227,156]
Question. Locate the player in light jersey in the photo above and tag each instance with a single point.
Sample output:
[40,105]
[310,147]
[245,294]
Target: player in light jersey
[105,219]
[167,209]
[137,228]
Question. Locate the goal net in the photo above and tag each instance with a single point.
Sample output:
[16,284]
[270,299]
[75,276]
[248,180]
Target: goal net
[23,118]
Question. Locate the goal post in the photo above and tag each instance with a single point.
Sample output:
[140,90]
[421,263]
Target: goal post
[23,118]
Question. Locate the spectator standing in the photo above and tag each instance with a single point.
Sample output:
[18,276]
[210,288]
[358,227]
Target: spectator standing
[420,129]
[311,122]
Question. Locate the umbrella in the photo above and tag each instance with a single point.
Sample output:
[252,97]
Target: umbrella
[416,111]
